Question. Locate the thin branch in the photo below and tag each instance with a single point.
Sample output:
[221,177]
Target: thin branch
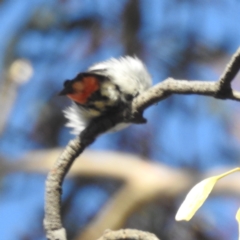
[220,89]
[125,234]
[231,70]
[170,86]
[52,220]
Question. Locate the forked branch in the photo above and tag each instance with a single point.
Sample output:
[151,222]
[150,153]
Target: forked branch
[220,89]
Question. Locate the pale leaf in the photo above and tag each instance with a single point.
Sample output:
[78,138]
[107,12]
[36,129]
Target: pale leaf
[195,198]
[238,220]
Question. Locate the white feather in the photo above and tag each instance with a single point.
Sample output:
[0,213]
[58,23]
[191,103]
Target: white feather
[78,120]
[131,76]
[129,73]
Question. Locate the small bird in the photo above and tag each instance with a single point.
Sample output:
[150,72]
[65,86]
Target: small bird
[105,88]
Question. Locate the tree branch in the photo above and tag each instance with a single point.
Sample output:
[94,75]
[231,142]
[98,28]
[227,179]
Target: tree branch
[127,234]
[220,89]
[230,71]
[170,86]
[52,220]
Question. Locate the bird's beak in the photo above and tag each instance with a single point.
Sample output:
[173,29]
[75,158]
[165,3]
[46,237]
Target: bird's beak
[67,88]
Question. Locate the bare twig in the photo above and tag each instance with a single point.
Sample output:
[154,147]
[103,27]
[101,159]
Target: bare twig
[170,86]
[230,71]
[125,234]
[220,89]
[52,220]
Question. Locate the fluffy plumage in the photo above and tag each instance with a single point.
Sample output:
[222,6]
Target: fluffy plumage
[120,81]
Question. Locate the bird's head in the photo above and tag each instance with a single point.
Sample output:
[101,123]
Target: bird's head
[81,87]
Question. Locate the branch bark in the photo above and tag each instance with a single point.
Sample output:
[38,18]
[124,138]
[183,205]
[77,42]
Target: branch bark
[52,221]
[220,89]
[126,234]
[231,70]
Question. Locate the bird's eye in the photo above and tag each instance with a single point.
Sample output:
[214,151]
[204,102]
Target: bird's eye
[129,97]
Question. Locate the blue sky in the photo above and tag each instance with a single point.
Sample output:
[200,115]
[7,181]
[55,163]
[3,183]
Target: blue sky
[185,131]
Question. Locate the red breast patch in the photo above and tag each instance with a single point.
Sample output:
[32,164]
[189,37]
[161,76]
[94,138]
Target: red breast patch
[83,89]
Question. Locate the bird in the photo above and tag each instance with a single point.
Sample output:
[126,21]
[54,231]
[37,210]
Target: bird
[105,88]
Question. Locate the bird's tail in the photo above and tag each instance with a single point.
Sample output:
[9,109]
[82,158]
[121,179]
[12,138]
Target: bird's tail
[76,119]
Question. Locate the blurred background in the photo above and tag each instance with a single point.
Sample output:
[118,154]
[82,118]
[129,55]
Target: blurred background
[44,42]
